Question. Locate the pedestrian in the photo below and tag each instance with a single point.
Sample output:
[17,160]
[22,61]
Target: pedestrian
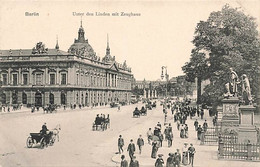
[124,162]
[134,162]
[120,144]
[182,133]
[118,109]
[198,112]
[170,137]
[170,160]
[199,131]
[154,149]
[205,126]
[140,143]
[185,154]
[159,162]
[149,135]
[159,124]
[170,127]
[192,151]
[196,124]
[160,138]
[131,149]
[177,158]
[202,113]
[186,128]
[178,124]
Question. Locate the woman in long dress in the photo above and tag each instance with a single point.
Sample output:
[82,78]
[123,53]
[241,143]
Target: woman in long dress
[185,154]
[154,149]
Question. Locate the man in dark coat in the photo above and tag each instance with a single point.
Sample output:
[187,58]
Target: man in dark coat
[159,162]
[170,160]
[134,162]
[140,143]
[124,162]
[44,129]
[131,149]
[120,144]
[205,126]
[196,124]
[199,131]
[192,151]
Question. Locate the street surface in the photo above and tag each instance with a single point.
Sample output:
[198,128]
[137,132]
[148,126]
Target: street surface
[80,146]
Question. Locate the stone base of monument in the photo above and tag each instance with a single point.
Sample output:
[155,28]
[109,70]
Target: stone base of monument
[247,131]
[247,114]
[247,134]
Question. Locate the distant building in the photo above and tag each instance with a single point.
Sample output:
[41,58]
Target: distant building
[42,76]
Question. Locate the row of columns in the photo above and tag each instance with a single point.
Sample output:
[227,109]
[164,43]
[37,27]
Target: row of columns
[150,93]
[111,80]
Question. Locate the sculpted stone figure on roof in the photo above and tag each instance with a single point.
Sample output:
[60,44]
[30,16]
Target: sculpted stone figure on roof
[40,48]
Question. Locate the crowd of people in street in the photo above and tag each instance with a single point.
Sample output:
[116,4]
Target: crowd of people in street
[156,136]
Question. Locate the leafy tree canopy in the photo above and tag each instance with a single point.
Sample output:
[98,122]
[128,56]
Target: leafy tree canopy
[228,38]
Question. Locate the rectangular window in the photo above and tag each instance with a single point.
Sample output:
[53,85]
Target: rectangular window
[63,79]
[25,79]
[38,79]
[15,79]
[52,79]
[4,79]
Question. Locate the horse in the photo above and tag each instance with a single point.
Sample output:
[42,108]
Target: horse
[56,131]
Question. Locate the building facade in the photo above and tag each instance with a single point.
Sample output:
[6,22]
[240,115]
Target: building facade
[42,76]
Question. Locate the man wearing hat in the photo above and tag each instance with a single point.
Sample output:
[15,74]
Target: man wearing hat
[159,162]
[170,160]
[140,143]
[131,149]
[205,126]
[124,162]
[120,144]
[134,162]
[192,151]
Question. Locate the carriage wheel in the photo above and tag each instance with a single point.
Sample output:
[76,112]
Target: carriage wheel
[29,142]
[43,143]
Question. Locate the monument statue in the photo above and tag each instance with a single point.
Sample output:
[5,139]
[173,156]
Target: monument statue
[246,90]
[231,86]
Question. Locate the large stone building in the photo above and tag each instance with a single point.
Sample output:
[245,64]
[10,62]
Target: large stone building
[42,76]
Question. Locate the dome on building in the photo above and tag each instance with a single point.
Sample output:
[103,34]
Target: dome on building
[81,47]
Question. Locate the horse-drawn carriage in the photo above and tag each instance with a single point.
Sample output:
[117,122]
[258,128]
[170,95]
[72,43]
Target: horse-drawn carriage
[149,106]
[143,111]
[50,108]
[101,123]
[154,104]
[136,113]
[113,104]
[43,139]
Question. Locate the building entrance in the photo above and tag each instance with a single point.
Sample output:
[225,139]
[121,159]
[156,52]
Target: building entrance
[38,99]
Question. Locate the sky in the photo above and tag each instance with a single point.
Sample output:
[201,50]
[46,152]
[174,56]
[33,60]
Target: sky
[160,36]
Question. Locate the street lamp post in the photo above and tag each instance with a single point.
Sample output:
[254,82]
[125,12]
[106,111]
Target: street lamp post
[166,76]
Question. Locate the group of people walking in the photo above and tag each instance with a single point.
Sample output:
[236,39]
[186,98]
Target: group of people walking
[156,136]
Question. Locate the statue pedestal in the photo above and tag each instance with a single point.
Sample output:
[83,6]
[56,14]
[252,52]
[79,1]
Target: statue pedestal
[247,114]
[230,118]
[247,131]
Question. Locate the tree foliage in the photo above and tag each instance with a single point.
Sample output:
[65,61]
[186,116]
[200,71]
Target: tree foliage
[228,38]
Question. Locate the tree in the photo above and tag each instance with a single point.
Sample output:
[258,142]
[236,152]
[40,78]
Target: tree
[228,38]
